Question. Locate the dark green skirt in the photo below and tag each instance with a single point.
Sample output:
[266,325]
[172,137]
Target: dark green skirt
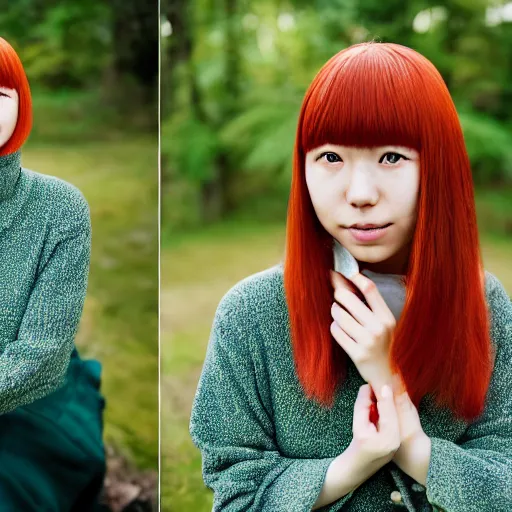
[51,451]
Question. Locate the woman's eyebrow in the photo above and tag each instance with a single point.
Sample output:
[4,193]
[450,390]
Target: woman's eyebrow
[398,149]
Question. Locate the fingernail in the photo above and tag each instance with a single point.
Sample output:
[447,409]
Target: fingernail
[386,391]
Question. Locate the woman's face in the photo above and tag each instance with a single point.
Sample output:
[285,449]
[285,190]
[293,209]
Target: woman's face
[9,101]
[357,186]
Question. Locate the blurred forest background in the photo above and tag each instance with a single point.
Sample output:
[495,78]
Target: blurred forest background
[233,77]
[93,70]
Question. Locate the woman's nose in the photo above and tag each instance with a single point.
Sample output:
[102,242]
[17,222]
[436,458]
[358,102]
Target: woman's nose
[361,190]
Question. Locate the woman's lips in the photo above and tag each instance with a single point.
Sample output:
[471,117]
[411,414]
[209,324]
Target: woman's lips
[368,234]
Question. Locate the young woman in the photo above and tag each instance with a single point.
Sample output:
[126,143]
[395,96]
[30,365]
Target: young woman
[51,449]
[283,410]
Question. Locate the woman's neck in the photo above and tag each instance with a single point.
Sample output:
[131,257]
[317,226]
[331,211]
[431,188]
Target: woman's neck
[397,264]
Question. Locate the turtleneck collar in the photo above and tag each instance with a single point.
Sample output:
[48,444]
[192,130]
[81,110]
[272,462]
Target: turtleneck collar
[10,169]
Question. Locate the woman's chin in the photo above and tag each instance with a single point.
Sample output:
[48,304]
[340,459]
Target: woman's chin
[370,255]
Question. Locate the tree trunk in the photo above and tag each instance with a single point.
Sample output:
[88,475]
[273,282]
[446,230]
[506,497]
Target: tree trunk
[135,30]
[213,198]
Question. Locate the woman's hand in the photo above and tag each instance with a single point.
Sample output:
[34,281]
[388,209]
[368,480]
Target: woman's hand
[375,444]
[372,446]
[364,332]
[413,456]
[408,417]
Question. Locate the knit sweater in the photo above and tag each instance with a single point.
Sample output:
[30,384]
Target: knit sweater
[265,447]
[45,239]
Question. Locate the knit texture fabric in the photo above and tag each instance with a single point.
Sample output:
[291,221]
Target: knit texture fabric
[265,447]
[45,242]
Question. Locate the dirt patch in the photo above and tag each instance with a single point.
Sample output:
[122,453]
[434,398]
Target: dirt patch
[127,489]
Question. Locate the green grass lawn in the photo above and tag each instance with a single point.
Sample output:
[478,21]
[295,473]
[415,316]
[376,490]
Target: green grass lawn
[120,322]
[197,269]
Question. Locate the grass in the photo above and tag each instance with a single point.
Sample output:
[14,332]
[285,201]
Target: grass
[120,323]
[198,267]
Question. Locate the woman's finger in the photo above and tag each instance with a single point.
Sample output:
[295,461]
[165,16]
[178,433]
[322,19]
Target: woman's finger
[340,281]
[349,324]
[373,298]
[355,306]
[388,418]
[345,341]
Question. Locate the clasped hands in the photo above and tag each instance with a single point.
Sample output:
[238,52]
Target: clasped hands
[365,333]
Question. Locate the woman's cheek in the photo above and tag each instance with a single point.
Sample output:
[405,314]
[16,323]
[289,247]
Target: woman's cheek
[327,207]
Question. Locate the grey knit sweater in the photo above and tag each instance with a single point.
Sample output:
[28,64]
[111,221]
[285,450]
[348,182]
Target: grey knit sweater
[265,447]
[45,242]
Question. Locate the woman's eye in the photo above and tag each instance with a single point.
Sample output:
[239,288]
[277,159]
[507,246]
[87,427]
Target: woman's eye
[392,158]
[330,157]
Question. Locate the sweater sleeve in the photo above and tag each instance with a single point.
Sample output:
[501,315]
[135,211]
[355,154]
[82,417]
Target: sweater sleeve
[35,364]
[476,475]
[233,428]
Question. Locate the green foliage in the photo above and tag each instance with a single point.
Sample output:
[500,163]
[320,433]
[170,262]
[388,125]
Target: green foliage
[192,146]
[260,137]
[107,48]
[489,145]
[74,44]
[70,116]
[248,116]
[494,208]
[60,43]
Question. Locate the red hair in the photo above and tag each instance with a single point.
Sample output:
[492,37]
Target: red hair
[374,94]
[12,76]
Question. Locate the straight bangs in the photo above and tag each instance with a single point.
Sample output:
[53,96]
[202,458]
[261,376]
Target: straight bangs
[9,67]
[12,76]
[367,99]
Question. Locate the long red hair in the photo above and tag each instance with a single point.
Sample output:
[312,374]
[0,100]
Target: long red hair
[12,76]
[374,94]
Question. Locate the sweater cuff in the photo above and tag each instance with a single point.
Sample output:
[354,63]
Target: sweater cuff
[440,485]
